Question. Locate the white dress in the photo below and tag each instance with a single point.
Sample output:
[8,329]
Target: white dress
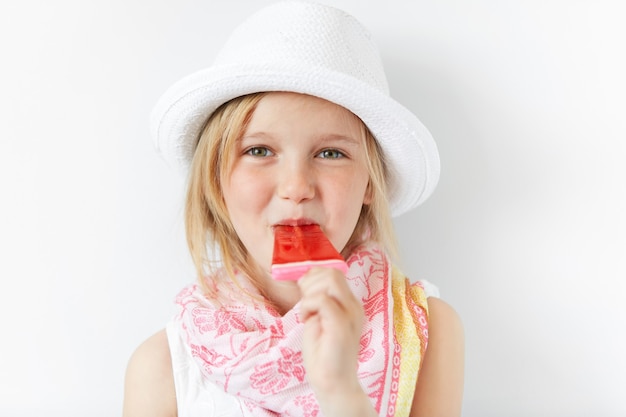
[195,396]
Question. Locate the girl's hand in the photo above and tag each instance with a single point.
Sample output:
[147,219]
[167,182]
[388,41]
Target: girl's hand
[333,320]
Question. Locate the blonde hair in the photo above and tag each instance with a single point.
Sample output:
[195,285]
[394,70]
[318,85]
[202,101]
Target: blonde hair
[208,226]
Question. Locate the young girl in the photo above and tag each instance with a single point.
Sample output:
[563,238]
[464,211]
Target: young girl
[293,125]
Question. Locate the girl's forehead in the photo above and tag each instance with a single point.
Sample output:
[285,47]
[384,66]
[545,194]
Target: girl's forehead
[284,111]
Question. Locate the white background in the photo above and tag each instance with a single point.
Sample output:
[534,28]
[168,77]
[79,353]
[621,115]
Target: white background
[525,235]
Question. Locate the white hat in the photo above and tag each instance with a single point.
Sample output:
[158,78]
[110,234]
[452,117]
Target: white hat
[308,48]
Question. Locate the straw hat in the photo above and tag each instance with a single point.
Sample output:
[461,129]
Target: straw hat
[308,48]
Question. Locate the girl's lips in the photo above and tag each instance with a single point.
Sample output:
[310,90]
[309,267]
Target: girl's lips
[295,222]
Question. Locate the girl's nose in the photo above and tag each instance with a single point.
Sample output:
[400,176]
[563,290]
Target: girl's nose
[296,183]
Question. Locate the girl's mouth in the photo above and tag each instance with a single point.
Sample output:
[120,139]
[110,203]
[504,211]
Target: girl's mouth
[295,222]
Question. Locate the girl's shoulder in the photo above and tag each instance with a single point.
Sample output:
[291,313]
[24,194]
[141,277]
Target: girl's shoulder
[439,387]
[149,383]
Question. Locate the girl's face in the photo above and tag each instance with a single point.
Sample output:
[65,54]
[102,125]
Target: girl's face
[301,160]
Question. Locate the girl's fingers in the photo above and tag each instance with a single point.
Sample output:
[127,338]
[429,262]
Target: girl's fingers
[326,293]
[328,281]
[322,305]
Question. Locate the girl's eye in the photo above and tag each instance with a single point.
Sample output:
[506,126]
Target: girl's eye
[259,151]
[331,154]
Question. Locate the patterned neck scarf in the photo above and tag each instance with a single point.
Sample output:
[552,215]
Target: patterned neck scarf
[254,354]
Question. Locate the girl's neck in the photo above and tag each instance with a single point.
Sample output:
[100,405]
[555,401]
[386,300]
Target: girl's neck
[283,295]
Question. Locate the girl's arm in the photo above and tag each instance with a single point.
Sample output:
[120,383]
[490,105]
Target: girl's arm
[439,390]
[149,388]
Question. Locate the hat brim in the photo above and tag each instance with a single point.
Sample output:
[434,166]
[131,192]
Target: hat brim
[409,149]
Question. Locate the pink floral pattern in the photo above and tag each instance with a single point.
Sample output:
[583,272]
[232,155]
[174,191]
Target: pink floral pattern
[365,352]
[271,377]
[210,357]
[222,321]
[308,404]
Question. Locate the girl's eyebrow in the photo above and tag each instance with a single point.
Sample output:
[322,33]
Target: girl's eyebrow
[253,137]
[259,134]
[324,137]
[340,138]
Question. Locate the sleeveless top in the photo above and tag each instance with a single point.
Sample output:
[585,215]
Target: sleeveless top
[197,396]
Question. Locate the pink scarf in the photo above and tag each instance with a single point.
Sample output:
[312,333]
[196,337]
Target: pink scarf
[253,353]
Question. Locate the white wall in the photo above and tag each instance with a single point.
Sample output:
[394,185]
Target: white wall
[525,235]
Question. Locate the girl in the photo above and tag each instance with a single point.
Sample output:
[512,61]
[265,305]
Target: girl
[293,125]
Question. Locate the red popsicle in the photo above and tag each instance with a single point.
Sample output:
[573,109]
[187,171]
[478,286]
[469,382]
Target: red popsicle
[299,248]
